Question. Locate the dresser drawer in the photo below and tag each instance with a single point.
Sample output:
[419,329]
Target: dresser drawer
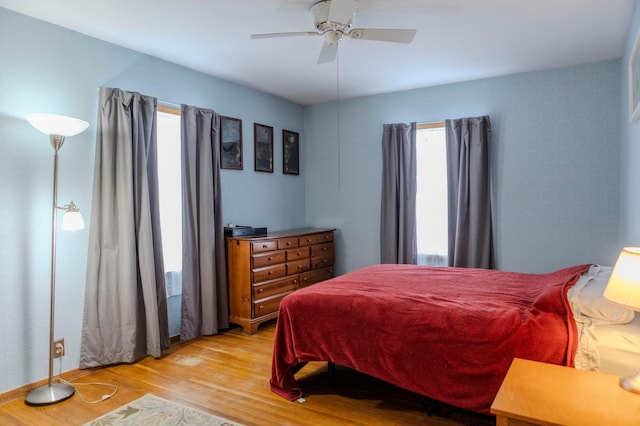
[267,259]
[271,288]
[325,237]
[322,260]
[267,306]
[298,266]
[263,245]
[269,273]
[308,240]
[315,276]
[322,249]
[285,243]
[297,253]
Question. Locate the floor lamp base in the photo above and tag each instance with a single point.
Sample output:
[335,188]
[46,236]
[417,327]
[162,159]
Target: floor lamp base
[47,395]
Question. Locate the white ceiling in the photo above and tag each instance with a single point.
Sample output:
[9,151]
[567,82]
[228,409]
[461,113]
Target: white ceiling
[456,40]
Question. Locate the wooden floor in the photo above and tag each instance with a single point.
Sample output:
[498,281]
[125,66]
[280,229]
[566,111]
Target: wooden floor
[228,375]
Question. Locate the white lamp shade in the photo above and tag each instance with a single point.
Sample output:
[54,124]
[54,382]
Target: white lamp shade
[52,124]
[624,284]
[72,221]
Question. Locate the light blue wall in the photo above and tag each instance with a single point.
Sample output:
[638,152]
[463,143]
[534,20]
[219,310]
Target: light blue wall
[630,152]
[44,68]
[556,137]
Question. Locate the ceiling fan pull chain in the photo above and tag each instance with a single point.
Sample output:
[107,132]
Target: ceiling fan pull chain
[338,109]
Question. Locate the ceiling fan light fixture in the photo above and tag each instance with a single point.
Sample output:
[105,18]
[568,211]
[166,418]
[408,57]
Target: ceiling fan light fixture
[333,37]
[326,15]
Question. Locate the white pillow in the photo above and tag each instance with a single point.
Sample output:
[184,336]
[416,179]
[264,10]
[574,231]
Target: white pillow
[589,299]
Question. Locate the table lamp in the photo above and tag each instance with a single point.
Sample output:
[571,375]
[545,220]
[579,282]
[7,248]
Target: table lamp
[624,288]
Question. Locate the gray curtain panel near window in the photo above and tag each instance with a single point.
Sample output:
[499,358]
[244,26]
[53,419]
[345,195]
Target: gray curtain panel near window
[469,189]
[398,211]
[125,311]
[205,308]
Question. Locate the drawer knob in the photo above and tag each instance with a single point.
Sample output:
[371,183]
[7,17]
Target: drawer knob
[260,307]
[269,258]
[264,246]
[299,266]
[270,273]
[288,243]
[260,290]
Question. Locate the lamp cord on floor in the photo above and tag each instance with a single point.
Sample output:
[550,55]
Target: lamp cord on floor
[104,397]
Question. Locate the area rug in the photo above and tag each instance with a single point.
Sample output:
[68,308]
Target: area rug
[152,410]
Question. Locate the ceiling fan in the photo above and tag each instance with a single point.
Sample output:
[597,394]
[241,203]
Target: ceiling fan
[333,20]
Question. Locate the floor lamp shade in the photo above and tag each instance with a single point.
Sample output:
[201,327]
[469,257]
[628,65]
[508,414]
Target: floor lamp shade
[53,124]
[72,219]
[57,127]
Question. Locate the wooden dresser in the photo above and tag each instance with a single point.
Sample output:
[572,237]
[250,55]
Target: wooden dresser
[262,270]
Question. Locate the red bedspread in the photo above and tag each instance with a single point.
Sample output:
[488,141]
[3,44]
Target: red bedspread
[447,333]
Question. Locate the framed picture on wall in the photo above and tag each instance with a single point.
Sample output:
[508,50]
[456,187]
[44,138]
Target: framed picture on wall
[230,143]
[290,153]
[263,148]
[634,81]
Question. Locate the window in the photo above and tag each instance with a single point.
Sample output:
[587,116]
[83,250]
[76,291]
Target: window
[170,199]
[431,196]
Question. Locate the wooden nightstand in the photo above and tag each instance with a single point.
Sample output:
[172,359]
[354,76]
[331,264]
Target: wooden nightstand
[545,394]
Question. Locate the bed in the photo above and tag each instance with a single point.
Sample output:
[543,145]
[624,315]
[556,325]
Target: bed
[449,334]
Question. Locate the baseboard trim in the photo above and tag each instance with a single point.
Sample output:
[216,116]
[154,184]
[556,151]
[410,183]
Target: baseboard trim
[69,376]
[22,391]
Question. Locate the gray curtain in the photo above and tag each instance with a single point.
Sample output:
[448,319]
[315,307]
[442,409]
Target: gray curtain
[469,189]
[125,310]
[205,308]
[398,213]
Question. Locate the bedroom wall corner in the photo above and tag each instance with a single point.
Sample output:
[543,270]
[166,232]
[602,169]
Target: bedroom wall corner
[630,149]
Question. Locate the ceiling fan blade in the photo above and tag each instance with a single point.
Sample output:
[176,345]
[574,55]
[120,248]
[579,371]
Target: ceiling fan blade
[328,53]
[383,34]
[294,34]
[342,11]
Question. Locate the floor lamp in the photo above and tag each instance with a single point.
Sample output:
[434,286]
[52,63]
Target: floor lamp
[57,127]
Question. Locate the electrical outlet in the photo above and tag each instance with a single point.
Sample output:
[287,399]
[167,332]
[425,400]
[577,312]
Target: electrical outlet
[58,348]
